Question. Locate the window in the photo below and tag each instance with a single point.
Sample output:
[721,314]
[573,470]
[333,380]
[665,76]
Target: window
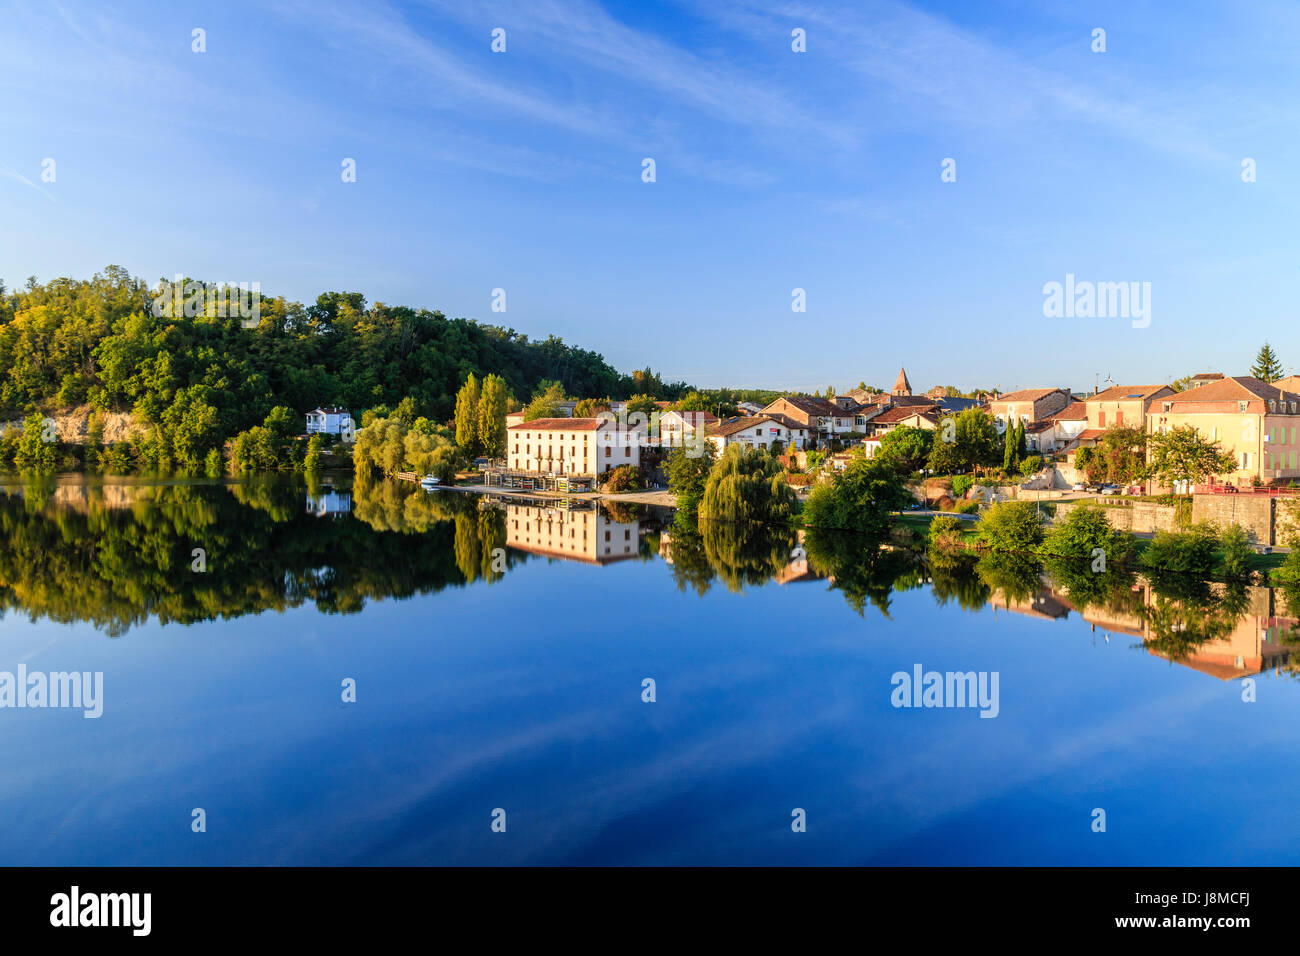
[627,535]
[627,451]
[1272,405]
[1243,407]
[1101,418]
[607,451]
[1167,406]
[1119,418]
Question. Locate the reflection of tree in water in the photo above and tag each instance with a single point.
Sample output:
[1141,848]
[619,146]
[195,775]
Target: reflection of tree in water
[478,535]
[736,553]
[119,566]
[953,578]
[1019,577]
[863,569]
[746,553]
[1111,590]
[1185,613]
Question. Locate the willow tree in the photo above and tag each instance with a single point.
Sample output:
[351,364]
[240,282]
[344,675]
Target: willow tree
[747,484]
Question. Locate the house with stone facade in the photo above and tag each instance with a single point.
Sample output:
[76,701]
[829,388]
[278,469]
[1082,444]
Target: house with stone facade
[1257,423]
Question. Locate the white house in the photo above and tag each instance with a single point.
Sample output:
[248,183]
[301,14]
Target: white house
[678,428]
[330,420]
[571,446]
[757,431]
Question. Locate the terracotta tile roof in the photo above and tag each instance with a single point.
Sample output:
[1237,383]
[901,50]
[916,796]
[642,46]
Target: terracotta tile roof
[1120,392]
[560,424]
[812,406]
[894,415]
[1238,388]
[1074,412]
[1090,434]
[1026,395]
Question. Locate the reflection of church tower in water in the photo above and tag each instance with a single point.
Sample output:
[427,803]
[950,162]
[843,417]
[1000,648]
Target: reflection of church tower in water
[579,534]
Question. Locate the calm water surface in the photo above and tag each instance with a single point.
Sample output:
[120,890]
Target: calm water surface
[513,679]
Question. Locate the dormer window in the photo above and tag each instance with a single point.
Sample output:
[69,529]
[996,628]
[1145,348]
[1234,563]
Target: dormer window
[1272,405]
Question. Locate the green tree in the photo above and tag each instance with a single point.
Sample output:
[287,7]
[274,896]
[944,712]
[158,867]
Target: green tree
[1085,530]
[311,461]
[590,407]
[747,484]
[688,474]
[965,441]
[1267,367]
[861,498]
[492,417]
[34,452]
[907,447]
[545,402]
[1181,454]
[467,416]
[1011,526]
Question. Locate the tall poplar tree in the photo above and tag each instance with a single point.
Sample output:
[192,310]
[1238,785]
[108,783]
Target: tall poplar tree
[467,427]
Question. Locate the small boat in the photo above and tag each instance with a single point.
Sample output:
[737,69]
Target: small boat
[430,481]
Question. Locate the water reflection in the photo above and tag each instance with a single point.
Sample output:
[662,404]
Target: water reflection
[118,554]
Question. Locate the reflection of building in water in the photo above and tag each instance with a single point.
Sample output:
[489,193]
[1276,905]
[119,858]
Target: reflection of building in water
[329,502]
[1260,639]
[586,534]
[1043,604]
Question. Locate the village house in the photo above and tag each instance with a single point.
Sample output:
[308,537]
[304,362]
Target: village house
[911,416]
[329,420]
[1057,430]
[571,446]
[758,431]
[679,428]
[1124,405]
[1258,424]
[818,416]
[1028,405]
[1128,405]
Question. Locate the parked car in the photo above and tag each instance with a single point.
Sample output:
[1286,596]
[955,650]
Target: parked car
[1079,486]
[1110,489]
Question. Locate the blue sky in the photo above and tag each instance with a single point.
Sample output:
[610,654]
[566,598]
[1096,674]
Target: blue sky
[775,170]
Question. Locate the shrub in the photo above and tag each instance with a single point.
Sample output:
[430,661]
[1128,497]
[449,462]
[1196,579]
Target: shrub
[966,507]
[624,478]
[1288,575]
[962,484]
[1031,465]
[1237,551]
[1188,552]
[1011,526]
[1085,530]
[945,529]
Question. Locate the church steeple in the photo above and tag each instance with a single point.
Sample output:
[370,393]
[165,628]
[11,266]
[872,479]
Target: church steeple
[902,386]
